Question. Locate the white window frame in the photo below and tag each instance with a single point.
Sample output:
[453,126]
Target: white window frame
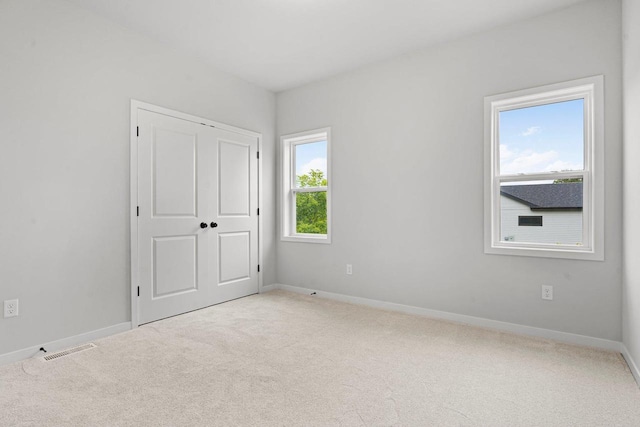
[590,89]
[289,190]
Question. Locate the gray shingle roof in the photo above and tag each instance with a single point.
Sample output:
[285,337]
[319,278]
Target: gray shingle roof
[546,196]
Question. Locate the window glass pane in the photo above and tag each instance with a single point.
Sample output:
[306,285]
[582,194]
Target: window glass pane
[544,138]
[530,221]
[311,164]
[542,212]
[311,212]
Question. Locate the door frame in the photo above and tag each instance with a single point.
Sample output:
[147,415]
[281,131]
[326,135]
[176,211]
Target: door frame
[133,178]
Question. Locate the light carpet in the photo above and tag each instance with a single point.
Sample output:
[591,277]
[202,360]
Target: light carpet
[282,359]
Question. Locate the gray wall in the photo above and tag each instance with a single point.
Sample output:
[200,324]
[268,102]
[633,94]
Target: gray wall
[631,49]
[408,176]
[66,78]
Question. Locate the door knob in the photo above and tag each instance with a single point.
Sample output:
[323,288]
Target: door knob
[214,224]
[203,225]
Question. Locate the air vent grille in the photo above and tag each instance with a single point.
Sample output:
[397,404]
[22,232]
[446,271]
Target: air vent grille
[69,351]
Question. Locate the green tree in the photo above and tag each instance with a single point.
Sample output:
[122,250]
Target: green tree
[311,208]
[567,180]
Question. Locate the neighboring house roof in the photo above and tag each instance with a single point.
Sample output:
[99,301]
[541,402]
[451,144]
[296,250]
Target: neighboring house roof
[546,196]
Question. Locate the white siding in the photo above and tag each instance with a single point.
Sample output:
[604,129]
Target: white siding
[558,226]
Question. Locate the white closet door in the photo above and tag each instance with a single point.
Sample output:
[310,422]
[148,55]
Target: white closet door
[198,222]
[175,160]
[235,238]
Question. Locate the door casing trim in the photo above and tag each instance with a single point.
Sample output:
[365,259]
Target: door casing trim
[133,179]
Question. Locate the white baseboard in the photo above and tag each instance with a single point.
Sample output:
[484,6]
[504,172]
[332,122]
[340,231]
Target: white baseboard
[26,353]
[267,288]
[564,337]
[460,318]
[632,364]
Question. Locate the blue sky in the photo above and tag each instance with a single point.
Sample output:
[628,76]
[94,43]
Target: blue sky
[544,138]
[311,156]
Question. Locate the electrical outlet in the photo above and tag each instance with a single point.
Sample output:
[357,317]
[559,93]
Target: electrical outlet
[11,308]
[547,292]
[349,269]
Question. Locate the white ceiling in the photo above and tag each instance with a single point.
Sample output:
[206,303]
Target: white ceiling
[280,44]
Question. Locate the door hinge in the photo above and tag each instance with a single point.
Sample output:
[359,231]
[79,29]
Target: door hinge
[138,290]
[258,268]
[137,131]
[137,210]
[258,154]
[258,211]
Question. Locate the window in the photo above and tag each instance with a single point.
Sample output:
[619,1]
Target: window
[306,179]
[544,157]
[530,221]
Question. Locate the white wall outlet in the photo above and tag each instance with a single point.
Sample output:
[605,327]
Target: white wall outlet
[11,308]
[547,292]
[349,269]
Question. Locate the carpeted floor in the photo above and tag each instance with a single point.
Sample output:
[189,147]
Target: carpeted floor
[284,359]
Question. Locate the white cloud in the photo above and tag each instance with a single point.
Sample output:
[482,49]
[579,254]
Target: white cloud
[529,161]
[532,131]
[505,153]
[317,163]
[561,165]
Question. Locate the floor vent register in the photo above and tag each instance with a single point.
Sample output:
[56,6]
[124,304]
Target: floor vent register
[69,351]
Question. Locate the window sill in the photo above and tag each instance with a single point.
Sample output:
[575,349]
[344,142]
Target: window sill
[560,253]
[324,239]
